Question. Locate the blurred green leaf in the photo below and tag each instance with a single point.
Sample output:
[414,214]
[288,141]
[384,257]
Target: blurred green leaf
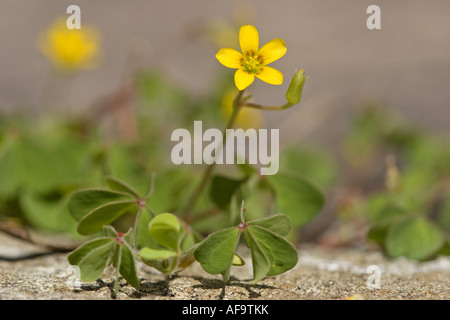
[120,161]
[445,250]
[365,134]
[24,164]
[158,90]
[257,200]
[313,165]
[297,198]
[47,213]
[444,215]
[378,235]
[414,238]
[222,189]
[169,190]
[384,208]
[119,185]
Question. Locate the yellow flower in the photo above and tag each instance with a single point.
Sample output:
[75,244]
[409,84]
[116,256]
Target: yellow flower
[253,61]
[70,49]
[248,118]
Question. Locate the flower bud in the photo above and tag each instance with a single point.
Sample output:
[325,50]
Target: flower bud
[294,92]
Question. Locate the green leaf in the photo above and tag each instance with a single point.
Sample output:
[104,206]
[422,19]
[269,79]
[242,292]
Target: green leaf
[188,241]
[297,198]
[117,262]
[383,209]
[121,186]
[378,235]
[92,258]
[109,231]
[216,252]
[260,260]
[120,161]
[414,238]
[237,260]
[143,237]
[445,250]
[165,228]
[84,201]
[170,187]
[128,267]
[280,224]
[9,171]
[157,254]
[129,237]
[314,165]
[27,163]
[257,200]
[103,215]
[47,213]
[444,215]
[282,255]
[222,189]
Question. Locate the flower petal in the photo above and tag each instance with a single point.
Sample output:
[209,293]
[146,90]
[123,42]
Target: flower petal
[272,50]
[243,79]
[229,58]
[249,40]
[270,75]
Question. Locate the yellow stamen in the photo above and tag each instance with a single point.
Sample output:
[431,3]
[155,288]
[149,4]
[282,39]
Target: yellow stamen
[251,64]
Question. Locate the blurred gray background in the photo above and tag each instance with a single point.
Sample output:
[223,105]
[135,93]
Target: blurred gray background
[405,65]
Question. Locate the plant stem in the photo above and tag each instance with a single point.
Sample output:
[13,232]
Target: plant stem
[270,108]
[237,105]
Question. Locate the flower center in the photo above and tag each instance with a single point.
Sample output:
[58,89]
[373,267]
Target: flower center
[251,64]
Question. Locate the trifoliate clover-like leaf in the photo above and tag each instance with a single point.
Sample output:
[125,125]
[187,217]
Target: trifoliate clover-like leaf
[282,254]
[279,224]
[216,252]
[92,258]
[165,229]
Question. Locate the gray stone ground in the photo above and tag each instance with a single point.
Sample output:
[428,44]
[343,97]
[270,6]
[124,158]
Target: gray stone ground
[320,274]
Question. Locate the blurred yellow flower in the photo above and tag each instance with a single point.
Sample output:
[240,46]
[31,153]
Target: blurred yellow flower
[253,61]
[70,50]
[222,34]
[247,118]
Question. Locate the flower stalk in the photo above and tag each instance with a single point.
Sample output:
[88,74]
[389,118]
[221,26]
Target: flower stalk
[251,63]
[237,105]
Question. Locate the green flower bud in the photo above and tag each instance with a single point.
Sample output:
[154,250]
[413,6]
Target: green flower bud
[294,92]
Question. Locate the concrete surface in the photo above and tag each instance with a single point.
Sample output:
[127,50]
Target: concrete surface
[320,274]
